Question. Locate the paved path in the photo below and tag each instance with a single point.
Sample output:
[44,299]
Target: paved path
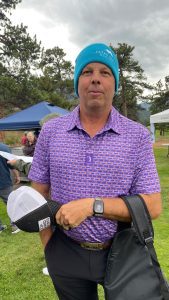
[17,150]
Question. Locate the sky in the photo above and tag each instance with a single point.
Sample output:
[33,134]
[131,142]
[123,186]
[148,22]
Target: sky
[74,24]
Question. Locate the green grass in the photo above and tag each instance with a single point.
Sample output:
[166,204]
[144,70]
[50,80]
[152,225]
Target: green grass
[160,137]
[22,258]
[21,264]
[161,225]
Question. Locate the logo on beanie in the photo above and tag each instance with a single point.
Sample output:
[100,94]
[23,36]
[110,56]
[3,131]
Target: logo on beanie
[104,53]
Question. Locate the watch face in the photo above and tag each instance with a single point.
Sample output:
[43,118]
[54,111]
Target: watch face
[98,207]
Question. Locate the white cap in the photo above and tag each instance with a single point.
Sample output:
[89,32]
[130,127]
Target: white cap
[22,201]
[30,211]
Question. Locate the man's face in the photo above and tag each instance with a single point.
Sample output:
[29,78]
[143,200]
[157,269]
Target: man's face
[96,88]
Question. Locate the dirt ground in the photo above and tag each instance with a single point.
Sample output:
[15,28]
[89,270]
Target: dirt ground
[160,143]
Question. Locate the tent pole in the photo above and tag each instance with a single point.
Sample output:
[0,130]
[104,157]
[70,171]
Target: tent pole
[152,130]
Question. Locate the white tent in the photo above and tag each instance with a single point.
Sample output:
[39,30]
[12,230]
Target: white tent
[162,117]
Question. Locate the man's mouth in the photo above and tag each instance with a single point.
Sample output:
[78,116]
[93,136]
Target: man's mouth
[95,92]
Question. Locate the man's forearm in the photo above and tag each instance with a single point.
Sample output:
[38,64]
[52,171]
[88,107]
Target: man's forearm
[45,236]
[115,208]
[43,189]
[76,211]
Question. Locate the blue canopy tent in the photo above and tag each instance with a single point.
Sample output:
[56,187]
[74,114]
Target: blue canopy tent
[30,117]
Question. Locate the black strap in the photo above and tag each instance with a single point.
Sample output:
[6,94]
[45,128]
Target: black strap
[140,217]
[144,229]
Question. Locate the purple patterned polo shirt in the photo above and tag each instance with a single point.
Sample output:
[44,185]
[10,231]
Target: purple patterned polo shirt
[117,161]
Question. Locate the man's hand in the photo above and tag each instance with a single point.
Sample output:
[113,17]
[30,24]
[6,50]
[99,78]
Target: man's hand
[70,215]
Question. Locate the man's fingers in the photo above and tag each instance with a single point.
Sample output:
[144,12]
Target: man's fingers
[66,218]
[73,226]
[66,227]
[62,217]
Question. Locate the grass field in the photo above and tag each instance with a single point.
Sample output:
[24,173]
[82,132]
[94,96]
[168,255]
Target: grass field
[22,259]
[161,225]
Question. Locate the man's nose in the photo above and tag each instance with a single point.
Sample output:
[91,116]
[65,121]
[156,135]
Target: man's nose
[95,78]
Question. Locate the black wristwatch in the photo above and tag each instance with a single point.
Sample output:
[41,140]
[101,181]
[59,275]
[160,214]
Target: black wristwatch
[98,207]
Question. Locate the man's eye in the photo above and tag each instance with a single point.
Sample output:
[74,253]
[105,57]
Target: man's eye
[106,73]
[86,72]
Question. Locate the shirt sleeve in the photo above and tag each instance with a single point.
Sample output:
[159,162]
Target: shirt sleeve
[146,179]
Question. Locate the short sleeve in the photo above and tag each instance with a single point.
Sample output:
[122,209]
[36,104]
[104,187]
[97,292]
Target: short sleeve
[146,179]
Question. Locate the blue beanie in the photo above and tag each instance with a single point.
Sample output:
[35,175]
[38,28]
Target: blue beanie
[96,53]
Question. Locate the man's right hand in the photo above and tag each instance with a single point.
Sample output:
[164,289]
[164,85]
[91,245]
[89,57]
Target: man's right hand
[71,214]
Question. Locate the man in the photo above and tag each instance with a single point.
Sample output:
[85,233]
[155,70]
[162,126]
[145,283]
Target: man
[87,160]
[6,184]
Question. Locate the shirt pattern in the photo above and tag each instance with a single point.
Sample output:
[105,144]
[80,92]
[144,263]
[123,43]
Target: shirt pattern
[117,161]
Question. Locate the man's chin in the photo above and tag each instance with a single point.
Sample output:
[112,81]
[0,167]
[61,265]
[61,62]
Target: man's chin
[96,106]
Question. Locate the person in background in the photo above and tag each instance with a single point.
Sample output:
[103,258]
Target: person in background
[29,148]
[36,133]
[87,160]
[24,138]
[6,184]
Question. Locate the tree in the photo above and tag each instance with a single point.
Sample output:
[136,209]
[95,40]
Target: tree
[19,54]
[167,82]
[18,51]
[58,71]
[160,99]
[5,7]
[8,89]
[132,81]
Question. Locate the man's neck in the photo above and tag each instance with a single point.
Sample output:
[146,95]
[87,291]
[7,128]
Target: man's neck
[93,123]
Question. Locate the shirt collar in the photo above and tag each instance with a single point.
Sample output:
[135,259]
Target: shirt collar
[74,121]
[113,122]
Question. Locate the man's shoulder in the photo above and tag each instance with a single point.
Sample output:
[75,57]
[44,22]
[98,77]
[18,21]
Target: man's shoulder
[132,126]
